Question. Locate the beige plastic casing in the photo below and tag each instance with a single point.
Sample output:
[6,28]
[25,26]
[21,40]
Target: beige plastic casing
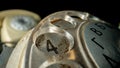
[8,34]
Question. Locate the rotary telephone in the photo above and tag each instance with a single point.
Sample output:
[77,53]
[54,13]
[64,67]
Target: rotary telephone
[67,39]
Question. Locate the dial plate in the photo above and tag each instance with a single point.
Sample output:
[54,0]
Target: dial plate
[102,41]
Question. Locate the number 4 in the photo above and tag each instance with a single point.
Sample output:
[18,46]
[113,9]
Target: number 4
[113,63]
[50,47]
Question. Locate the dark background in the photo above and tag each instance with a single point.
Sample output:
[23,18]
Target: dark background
[106,10]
